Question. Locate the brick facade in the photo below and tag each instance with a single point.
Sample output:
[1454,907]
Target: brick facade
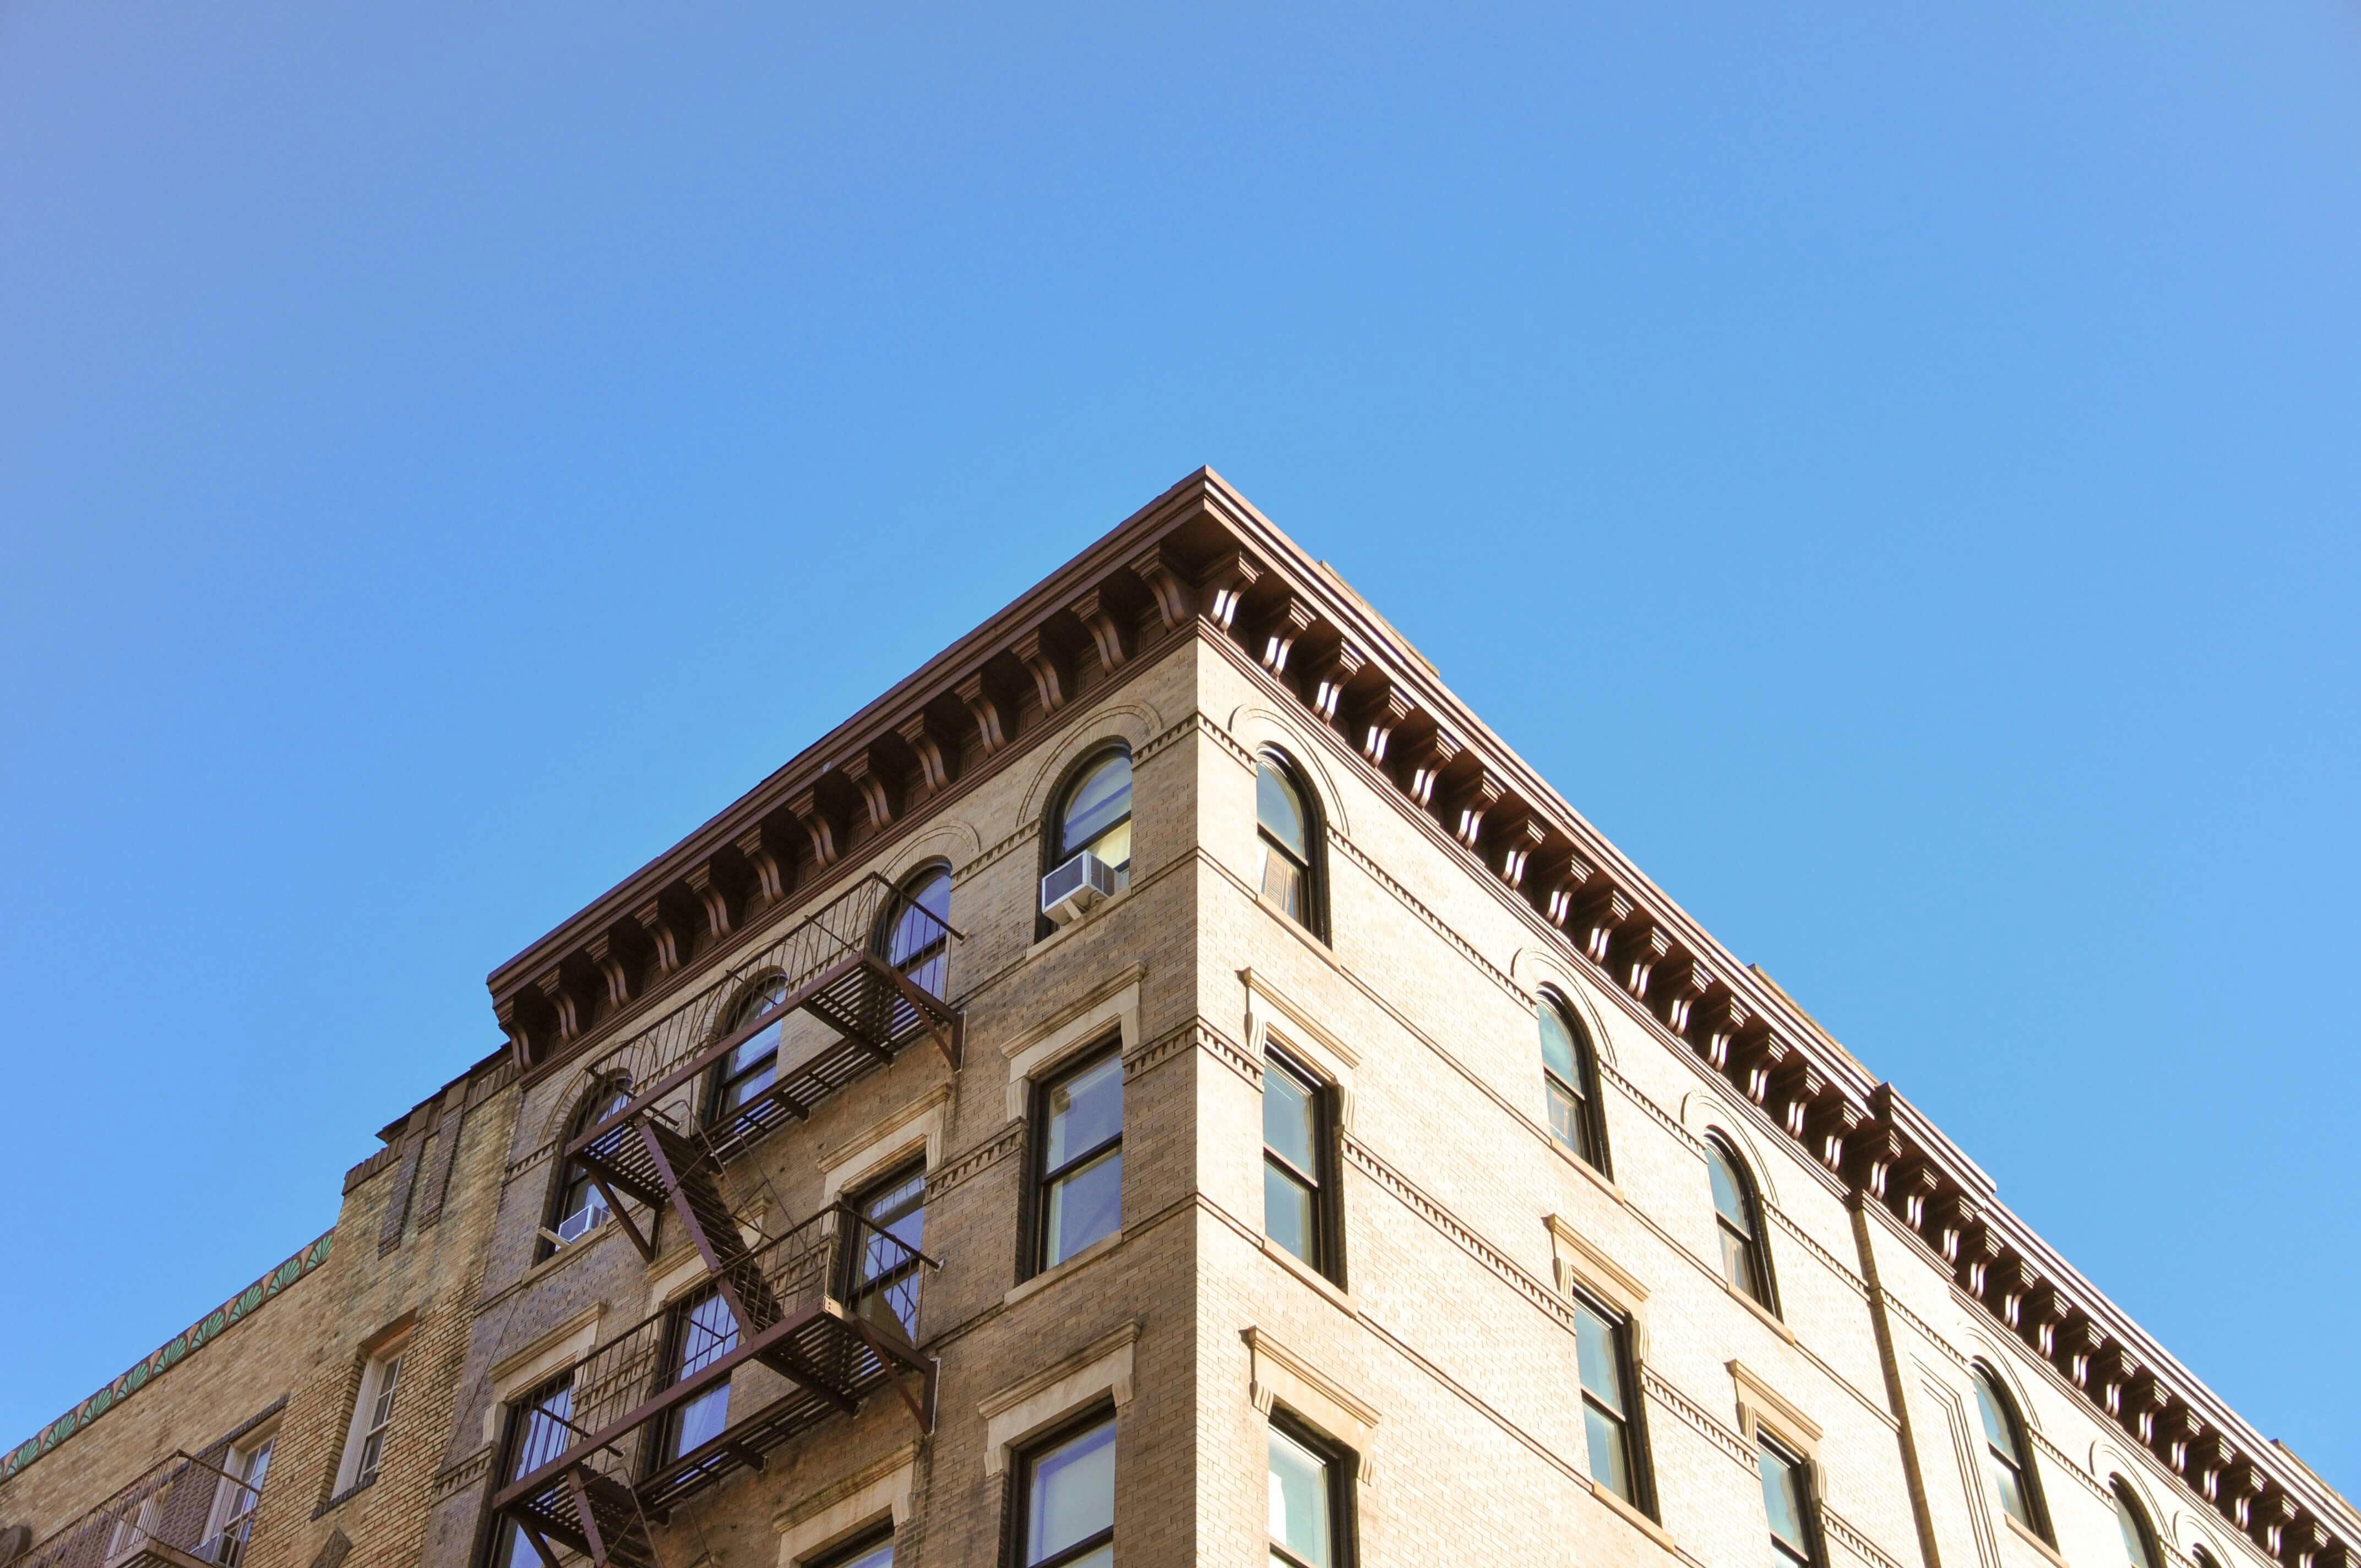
[1443,1354]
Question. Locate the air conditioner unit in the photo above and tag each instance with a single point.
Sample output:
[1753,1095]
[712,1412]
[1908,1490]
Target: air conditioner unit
[576,1225]
[1077,887]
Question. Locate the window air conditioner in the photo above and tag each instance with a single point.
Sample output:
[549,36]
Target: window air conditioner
[1077,887]
[576,1225]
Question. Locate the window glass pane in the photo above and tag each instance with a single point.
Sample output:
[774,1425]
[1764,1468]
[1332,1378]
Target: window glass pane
[1278,811]
[1299,1501]
[1728,1190]
[2012,1492]
[1085,1110]
[1558,1045]
[876,1557]
[1113,847]
[1072,1494]
[1595,1347]
[1287,1211]
[899,1210]
[1611,1457]
[1288,1118]
[1738,1262]
[1098,799]
[1085,1205]
[1782,1499]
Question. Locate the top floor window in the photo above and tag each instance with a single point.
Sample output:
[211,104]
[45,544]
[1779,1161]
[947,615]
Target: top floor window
[1570,1080]
[1288,833]
[244,1471]
[1095,815]
[372,1419]
[746,1073]
[2139,1538]
[917,932]
[1738,1216]
[578,1206]
[2006,1455]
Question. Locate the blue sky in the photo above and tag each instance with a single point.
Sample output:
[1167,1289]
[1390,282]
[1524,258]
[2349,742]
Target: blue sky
[1896,473]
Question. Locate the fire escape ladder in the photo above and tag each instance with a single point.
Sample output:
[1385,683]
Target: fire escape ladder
[688,1174]
[613,1533]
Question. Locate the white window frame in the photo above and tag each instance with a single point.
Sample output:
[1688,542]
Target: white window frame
[237,1461]
[387,1359]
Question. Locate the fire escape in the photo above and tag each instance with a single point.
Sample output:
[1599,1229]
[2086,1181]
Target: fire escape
[183,1513]
[800,1325]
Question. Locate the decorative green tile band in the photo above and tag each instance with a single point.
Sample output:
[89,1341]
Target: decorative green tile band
[222,1318]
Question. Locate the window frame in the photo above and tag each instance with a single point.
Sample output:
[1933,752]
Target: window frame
[1313,870]
[1755,1247]
[1988,1386]
[857,1289]
[1037,1237]
[1807,1474]
[589,1111]
[770,991]
[516,1425]
[845,1554]
[1342,1465]
[1589,1112]
[236,1482]
[1326,1189]
[680,1317]
[1622,1336]
[380,1380]
[1054,853]
[889,925]
[1018,1513]
[2127,1502]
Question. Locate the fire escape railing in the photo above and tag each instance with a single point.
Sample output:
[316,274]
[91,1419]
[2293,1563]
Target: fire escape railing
[854,965]
[819,1318]
[183,1513]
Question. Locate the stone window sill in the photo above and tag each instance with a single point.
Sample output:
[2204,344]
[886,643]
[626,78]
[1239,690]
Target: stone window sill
[1598,1177]
[1769,1319]
[1074,1265]
[338,1500]
[1071,926]
[1633,1516]
[1337,1295]
[2049,1552]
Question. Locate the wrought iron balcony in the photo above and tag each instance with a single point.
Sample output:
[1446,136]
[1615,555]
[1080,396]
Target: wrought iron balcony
[796,1329]
[184,1513]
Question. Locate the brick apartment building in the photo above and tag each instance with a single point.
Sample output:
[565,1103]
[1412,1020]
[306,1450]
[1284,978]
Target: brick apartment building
[1358,1161]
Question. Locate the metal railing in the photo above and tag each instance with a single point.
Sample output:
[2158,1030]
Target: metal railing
[871,918]
[822,1300]
[183,1509]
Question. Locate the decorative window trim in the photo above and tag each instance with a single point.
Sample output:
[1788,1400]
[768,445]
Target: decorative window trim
[1034,1405]
[836,1524]
[1277,1375]
[887,1142]
[1270,1009]
[519,1373]
[1032,1055]
[1581,1267]
[1763,1410]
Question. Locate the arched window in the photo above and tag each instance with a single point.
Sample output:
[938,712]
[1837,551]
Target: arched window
[1739,1217]
[2202,1558]
[1095,814]
[1289,836]
[1570,1079]
[748,1070]
[2139,1538]
[2010,1459]
[578,1207]
[916,938]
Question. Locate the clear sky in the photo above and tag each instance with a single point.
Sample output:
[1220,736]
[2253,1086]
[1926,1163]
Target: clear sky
[1896,472]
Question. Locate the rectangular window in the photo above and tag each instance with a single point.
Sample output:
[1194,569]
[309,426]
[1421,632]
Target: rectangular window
[1603,1348]
[1297,1188]
[703,1332]
[372,1419]
[244,1468]
[1065,1501]
[1311,1503]
[1787,1500]
[1081,1136]
[539,1429]
[874,1552]
[885,1254]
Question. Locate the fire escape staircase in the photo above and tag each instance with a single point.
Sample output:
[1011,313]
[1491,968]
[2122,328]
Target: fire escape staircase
[823,1314]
